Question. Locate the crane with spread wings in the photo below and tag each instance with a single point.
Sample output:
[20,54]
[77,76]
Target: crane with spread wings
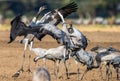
[45,26]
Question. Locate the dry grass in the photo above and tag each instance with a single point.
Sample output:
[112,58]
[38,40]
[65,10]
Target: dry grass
[11,56]
[91,28]
[4,27]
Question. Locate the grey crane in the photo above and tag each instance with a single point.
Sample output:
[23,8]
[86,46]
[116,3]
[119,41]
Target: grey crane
[53,16]
[27,40]
[54,54]
[41,74]
[78,38]
[47,18]
[86,58]
[19,28]
[38,51]
[39,30]
[104,56]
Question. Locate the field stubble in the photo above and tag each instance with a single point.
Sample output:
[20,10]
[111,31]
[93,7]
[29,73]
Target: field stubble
[11,55]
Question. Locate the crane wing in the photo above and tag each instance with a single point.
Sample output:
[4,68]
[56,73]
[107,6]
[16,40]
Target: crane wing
[53,16]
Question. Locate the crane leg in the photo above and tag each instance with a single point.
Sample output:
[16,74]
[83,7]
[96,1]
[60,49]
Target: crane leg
[44,60]
[117,71]
[108,71]
[31,44]
[55,67]
[67,72]
[21,68]
[101,73]
[78,70]
[84,73]
[69,65]
[23,59]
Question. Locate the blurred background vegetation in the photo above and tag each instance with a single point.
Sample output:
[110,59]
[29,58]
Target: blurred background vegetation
[87,9]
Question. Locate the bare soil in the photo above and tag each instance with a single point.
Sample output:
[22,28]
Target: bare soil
[11,57]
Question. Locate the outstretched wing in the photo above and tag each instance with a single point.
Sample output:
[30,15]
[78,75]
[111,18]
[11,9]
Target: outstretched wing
[15,29]
[65,11]
[53,16]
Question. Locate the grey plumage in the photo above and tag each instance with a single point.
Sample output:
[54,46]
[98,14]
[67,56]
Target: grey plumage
[105,55]
[86,58]
[56,55]
[41,74]
[46,26]
[20,29]
[78,38]
[116,65]
[53,17]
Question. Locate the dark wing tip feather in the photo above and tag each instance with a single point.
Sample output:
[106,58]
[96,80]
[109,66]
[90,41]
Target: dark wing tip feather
[65,11]
[69,6]
[15,20]
[68,9]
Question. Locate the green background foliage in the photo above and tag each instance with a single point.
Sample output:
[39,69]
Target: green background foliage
[86,8]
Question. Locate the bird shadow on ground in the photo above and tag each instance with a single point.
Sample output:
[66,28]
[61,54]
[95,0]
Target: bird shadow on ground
[73,73]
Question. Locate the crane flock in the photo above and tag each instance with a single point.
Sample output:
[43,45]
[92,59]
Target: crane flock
[73,43]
